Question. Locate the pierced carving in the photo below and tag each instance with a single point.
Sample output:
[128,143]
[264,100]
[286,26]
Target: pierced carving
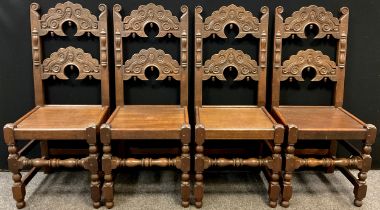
[232,14]
[72,13]
[324,20]
[245,66]
[56,63]
[322,64]
[167,66]
[151,13]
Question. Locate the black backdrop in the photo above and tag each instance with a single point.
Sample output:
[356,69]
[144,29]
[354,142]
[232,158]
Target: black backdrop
[362,93]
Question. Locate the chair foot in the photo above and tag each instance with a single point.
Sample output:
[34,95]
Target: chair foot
[198,204]
[272,204]
[185,204]
[96,204]
[109,204]
[20,204]
[285,204]
[358,203]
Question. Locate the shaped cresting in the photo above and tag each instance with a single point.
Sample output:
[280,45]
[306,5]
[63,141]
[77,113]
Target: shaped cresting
[52,23]
[247,68]
[168,25]
[325,68]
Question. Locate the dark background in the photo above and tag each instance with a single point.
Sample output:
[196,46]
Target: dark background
[362,90]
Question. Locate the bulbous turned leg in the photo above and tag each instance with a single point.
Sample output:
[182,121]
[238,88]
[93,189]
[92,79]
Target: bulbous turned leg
[199,186]
[108,182]
[185,178]
[274,186]
[360,190]
[287,190]
[94,171]
[18,190]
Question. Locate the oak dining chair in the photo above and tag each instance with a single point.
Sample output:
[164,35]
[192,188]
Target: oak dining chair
[325,123]
[234,122]
[163,123]
[53,122]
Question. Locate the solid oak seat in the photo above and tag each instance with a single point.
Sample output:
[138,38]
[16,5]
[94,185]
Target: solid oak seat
[322,122]
[236,122]
[148,121]
[60,121]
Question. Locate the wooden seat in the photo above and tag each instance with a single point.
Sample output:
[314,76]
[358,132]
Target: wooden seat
[146,122]
[236,122]
[322,122]
[61,122]
[218,122]
[328,123]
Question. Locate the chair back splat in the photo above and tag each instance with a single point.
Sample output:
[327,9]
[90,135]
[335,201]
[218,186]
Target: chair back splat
[296,25]
[134,25]
[247,68]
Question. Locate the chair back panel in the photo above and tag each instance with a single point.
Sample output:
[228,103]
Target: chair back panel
[247,68]
[292,68]
[168,25]
[52,22]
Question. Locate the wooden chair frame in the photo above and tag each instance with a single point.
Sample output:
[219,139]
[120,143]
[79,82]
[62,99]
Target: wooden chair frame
[133,25]
[52,22]
[247,68]
[325,68]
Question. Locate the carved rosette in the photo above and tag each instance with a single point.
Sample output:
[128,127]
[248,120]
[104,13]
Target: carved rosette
[166,65]
[232,14]
[68,11]
[326,22]
[56,63]
[243,63]
[322,64]
[151,13]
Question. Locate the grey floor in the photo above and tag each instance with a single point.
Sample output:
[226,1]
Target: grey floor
[159,189]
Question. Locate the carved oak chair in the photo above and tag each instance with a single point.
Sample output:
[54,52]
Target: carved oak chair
[217,122]
[61,122]
[330,123]
[139,122]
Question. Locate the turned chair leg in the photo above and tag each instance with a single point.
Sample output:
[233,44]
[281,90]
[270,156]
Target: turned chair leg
[199,166]
[274,186]
[360,190]
[93,166]
[185,165]
[287,190]
[44,146]
[105,135]
[108,181]
[18,188]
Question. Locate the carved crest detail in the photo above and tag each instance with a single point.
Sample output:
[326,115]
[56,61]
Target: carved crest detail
[326,22]
[151,13]
[243,63]
[56,63]
[165,64]
[232,14]
[68,11]
[322,64]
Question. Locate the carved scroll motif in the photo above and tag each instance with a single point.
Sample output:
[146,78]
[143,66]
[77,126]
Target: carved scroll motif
[243,63]
[56,63]
[165,64]
[232,14]
[322,64]
[151,13]
[70,12]
[326,22]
